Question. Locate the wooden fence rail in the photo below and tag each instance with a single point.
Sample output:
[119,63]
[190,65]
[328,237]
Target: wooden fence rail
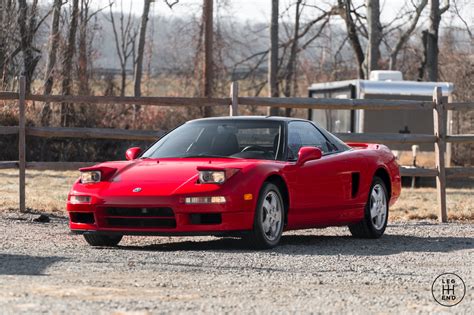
[439,138]
[336,103]
[93,133]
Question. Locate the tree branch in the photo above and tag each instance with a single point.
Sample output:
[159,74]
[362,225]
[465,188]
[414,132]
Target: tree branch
[444,9]
[456,10]
[171,4]
[406,35]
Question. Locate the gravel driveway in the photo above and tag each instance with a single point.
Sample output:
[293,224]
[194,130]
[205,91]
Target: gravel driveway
[44,269]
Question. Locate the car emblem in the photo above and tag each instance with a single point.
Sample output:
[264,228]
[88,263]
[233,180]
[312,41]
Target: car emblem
[138,189]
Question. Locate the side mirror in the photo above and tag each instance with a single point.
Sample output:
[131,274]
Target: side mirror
[306,154]
[133,153]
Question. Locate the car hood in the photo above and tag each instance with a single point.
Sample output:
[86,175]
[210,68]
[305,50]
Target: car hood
[165,177]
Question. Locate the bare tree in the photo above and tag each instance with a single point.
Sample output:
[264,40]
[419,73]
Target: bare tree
[86,34]
[52,47]
[148,58]
[27,22]
[374,30]
[290,77]
[300,37]
[83,78]
[198,62]
[53,44]
[360,27]
[461,18]
[141,48]
[124,41]
[345,11]
[273,90]
[208,78]
[3,33]
[67,62]
[222,46]
[139,59]
[141,45]
[406,34]
[430,42]
[9,48]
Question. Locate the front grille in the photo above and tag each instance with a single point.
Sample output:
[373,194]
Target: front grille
[140,217]
[142,223]
[205,218]
[82,217]
[140,212]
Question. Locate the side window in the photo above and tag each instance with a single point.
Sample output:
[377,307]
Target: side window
[304,134]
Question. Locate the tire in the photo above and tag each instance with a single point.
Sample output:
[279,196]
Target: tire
[268,219]
[376,212]
[102,240]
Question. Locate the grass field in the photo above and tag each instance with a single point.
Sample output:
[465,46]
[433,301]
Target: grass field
[46,191]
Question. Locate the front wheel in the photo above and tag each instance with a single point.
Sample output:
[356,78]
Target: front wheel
[269,218]
[376,212]
[102,240]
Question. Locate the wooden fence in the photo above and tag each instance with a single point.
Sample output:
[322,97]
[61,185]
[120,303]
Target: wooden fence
[439,138]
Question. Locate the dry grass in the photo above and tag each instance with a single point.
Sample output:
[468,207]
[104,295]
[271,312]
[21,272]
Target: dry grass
[421,203]
[47,192]
[423,159]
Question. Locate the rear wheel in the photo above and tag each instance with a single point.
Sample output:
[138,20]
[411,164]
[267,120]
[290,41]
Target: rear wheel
[102,240]
[269,218]
[376,212]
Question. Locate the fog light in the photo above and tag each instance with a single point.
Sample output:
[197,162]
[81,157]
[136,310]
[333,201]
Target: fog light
[79,199]
[201,200]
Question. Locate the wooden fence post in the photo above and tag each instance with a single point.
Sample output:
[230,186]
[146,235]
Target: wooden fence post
[439,123]
[234,94]
[21,142]
[449,131]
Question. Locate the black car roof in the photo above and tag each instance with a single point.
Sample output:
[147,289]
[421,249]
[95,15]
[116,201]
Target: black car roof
[271,118]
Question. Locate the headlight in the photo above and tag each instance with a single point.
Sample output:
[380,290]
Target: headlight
[90,177]
[216,176]
[201,200]
[211,177]
[79,199]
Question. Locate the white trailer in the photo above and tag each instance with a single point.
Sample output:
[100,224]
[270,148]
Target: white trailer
[387,85]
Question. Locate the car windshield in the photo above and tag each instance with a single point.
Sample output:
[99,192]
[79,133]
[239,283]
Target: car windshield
[221,138]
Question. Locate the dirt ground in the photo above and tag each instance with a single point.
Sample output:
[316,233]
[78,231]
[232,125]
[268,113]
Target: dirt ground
[44,269]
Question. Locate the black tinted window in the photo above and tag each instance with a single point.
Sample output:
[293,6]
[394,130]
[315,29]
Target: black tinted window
[304,134]
[252,139]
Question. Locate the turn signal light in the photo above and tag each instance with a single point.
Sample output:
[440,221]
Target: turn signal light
[79,199]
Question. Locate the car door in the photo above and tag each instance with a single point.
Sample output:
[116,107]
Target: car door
[318,187]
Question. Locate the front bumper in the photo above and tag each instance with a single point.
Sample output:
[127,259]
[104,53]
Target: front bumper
[158,219]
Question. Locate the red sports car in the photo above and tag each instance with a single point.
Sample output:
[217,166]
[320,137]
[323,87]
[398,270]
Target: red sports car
[252,177]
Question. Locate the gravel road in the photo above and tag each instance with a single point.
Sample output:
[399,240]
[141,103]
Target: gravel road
[44,269]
